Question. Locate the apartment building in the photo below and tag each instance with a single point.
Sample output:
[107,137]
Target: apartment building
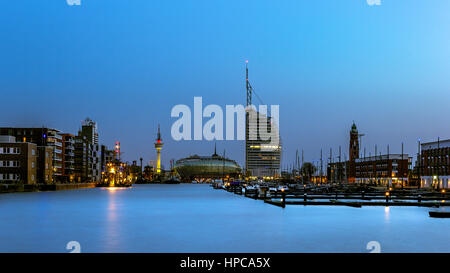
[18,161]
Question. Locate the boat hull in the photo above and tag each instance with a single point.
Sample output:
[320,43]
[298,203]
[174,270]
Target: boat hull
[440,214]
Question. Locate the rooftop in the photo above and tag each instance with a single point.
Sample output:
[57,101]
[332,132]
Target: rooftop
[7,139]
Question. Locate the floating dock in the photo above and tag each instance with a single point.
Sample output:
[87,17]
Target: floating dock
[315,196]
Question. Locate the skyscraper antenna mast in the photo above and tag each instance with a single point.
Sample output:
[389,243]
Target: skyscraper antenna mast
[158,136]
[248,86]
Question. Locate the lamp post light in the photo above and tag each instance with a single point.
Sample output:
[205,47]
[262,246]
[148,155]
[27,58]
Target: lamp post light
[387,197]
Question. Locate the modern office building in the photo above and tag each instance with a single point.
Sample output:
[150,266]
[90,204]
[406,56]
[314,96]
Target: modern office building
[435,164]
[18,161]
[262,156]
[383,170]
[262,143]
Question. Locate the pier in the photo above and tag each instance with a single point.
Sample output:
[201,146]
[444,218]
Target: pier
[342,195]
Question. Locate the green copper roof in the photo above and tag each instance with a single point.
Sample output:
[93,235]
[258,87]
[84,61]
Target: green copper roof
[354,128]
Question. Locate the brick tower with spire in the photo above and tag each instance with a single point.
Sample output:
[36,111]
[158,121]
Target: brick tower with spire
[353,153]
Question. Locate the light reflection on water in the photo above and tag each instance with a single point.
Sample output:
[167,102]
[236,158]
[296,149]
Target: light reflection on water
[386,213]
[112,220]
[197,218]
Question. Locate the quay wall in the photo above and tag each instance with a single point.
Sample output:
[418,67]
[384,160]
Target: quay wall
[11,188]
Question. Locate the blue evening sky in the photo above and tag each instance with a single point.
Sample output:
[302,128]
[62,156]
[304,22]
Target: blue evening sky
[125,64]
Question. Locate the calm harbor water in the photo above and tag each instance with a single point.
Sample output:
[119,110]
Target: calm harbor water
[197,218]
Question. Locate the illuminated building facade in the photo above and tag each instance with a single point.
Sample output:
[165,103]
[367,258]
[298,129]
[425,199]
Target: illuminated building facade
[384,170]
[106,156]
[435,164]
[207,167]
[262,157]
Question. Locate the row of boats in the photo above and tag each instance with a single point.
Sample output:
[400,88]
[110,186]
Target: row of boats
[245,186]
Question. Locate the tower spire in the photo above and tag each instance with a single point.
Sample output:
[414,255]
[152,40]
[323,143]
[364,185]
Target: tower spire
[215,149]
[159,134]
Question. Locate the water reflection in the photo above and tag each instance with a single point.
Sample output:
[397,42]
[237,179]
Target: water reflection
[112,223]
[387,211]
[196,218]
[115,189]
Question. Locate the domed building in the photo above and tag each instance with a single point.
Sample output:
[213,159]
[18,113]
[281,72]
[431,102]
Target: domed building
[207,167]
